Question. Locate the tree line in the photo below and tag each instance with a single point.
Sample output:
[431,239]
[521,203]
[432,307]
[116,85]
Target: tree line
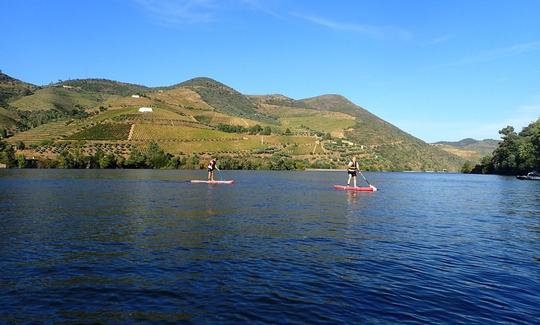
[517,153]
[151,156]
[256,129]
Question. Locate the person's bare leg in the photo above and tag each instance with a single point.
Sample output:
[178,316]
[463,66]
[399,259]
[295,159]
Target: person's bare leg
[349,180]
[209,176]
[354,181]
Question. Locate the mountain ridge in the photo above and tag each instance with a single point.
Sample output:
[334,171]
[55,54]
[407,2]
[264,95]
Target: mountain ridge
[323,130]
[469,148]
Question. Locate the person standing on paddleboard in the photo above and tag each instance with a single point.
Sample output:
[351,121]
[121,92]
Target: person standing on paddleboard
[211,167]
[352,169]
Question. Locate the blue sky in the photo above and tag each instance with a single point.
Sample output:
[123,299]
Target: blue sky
[440,70]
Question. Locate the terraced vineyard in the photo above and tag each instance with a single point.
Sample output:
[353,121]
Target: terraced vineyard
[50,131]
[178,133]
[326,123]
[246,143]
[105,131]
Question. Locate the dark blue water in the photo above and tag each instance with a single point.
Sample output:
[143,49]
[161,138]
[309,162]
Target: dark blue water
[277,247]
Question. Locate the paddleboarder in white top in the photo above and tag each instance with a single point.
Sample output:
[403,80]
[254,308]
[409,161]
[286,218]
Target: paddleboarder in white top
[352,169]
[211,167]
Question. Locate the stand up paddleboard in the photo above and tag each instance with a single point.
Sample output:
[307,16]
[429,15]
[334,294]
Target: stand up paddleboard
[197,181]
[356,189]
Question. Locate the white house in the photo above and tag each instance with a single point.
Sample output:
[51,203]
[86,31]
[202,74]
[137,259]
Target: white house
[145,109]
[135,96]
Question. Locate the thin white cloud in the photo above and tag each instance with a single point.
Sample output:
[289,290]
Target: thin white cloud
[441,39]
[181,12]
[364,29]
[268,7]
[490,55]
[173,12]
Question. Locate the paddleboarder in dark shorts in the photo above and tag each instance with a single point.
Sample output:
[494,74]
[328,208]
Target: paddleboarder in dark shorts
[352,169]
[211,167]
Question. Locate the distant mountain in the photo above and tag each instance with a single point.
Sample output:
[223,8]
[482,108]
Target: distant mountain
[468,148]
[189,117]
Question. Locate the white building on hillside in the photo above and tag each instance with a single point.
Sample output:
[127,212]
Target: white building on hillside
[146,109]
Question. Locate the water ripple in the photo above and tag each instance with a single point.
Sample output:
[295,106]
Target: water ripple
[147,247]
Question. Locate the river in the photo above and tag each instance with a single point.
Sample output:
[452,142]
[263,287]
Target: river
[117,246]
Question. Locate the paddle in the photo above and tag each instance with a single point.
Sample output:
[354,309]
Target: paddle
[367,180]
[219,172]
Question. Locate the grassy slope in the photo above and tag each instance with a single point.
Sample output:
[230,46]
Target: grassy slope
[277,100]
[49,98]
[8,119]
[104,86]
[469,149]
[184,115]
[225,99]
[11,88]
[50,131]
[392,147]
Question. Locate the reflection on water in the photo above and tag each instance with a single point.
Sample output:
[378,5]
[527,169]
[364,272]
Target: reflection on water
[143,245]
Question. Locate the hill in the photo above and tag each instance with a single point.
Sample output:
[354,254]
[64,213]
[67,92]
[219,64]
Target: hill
[224,98]
[204,117]
[11,88]
[104,86]
[56,98]
[389,146]
[468,148]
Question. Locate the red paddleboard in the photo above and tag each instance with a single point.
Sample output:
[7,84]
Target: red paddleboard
[211,182]
[356,189]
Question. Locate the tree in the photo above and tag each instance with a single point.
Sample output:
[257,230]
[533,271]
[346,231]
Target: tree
[288,131]
[7,154]
[256,129]
[192,162]
[266,131]
[136,159]
[516,154]
[505,157]
[467,167]
[20,145]
[155,156]
[65,160]
[107,161]
[21,161]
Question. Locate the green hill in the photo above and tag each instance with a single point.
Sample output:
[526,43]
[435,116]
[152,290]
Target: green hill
[8,119]
[225,99]
[468,148]
[104,86]
[389,147]
[277,100]
[56,98]
[204,117]
[11,88]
